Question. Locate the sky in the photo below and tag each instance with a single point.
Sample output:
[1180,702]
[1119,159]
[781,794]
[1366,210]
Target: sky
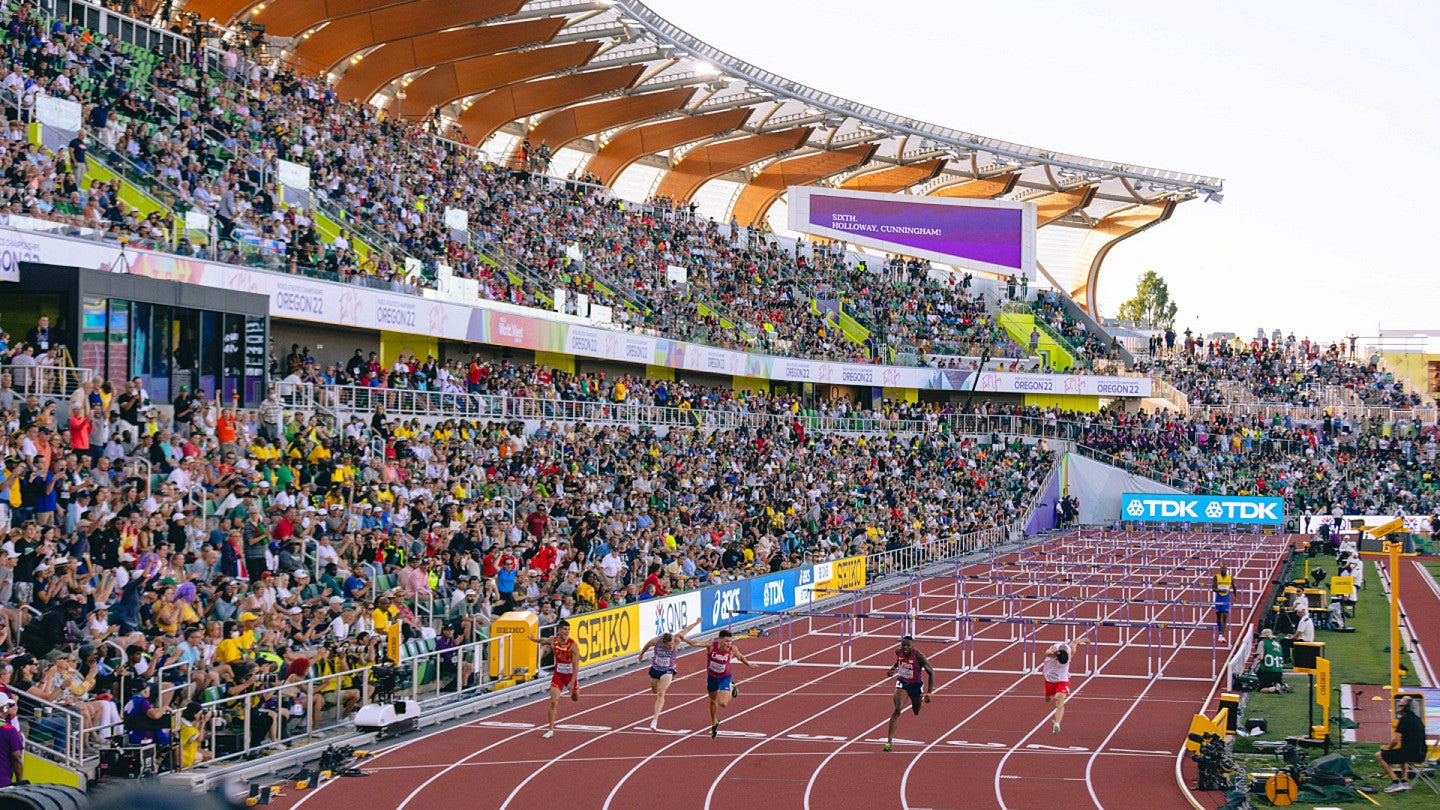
[1321,116]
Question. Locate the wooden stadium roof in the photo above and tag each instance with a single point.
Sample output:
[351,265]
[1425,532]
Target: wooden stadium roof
[625,87]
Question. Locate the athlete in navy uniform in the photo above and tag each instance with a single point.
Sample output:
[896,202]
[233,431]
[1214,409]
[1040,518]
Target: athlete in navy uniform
[906,671]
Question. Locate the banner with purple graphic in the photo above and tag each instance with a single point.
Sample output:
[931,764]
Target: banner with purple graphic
[989,235]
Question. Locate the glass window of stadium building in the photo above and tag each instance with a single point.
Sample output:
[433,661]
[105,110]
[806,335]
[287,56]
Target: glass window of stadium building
[119,326]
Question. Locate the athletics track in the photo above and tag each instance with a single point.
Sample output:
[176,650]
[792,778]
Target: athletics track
[808,734]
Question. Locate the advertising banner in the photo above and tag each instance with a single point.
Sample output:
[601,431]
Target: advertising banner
[990,235]
[722,604]
[1145,508]
[668,615]
[607,634]
[457,219]
[1413,523]
[846,575]
[294,183]
[58,112]
[773,592]
[1004,382]
[456,313]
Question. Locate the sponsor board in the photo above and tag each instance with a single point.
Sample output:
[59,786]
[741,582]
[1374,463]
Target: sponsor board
[606,634]
[670,614]
[15,248]
[1413,523]
[722,604]
[1143,508]
[849,574]
[773,592]
[1004,382]
[509,325]
[805,584]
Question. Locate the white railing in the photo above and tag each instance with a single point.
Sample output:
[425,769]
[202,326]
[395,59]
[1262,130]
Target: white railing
[405,403]
[296,396]
[1170,394]
[54,732]
[236,723]
[1314,413]
[900,560]
[126,29]
[48,382]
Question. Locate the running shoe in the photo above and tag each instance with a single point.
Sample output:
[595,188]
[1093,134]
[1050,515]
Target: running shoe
[1397,787]
[887,746]
[714,730]
[654,725]
[547,735]
[1054,728]
[734,691]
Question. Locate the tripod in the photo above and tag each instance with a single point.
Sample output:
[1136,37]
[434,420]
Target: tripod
[122,263]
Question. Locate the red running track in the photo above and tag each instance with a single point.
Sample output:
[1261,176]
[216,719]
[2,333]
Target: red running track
[1420,602]
[809,735]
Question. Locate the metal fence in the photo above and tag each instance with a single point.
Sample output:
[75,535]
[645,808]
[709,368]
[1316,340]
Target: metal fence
[126,29]
[48,382]
[245,725]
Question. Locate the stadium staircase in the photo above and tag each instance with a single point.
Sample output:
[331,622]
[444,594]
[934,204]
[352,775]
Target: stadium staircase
[1019,325]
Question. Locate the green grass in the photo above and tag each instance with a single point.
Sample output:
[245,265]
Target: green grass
[1362,762]
[1361,657]
[1433,568]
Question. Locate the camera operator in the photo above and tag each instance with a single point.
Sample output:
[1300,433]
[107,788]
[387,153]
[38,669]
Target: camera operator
[193,749]
[1407,747]
[330,660]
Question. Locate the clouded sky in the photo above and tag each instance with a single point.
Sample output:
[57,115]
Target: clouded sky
[1321,116]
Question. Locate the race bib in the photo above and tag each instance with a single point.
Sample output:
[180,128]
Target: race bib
[564,668]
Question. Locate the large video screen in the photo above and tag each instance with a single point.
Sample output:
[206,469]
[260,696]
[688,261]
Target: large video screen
[988,235]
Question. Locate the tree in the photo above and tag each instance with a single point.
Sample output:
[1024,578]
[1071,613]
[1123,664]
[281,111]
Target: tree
[1151,304]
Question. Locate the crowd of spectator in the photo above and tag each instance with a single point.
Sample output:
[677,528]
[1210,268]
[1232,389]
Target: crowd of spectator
[1280,371]
[155,556]
[393,181]
[204,551]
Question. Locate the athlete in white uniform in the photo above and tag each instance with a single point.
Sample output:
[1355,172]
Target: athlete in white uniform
[662,665]
[1056,670]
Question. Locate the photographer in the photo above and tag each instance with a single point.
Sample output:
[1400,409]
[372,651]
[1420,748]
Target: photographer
[192,750]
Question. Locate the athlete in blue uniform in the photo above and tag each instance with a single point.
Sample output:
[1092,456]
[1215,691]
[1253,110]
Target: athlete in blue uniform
[1222,584]
[906,671]
[662,665]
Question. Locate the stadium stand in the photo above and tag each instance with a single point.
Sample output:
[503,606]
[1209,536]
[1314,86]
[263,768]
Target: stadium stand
[156,556]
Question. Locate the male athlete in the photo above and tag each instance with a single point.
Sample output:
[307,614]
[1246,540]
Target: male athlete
[906,671]
[662,666]
[563,648]
[718,682]
[1057,677]
[1221,585]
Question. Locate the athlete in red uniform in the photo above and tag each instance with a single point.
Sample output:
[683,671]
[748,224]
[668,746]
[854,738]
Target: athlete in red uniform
[908,664]
[566,672]
[718,683]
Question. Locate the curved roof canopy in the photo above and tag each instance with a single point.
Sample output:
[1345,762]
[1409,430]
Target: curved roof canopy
[619,83]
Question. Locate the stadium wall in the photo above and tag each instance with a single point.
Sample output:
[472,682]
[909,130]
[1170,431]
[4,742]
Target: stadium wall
[1099,487]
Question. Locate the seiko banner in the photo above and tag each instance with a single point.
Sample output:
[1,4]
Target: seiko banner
[1148,508]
